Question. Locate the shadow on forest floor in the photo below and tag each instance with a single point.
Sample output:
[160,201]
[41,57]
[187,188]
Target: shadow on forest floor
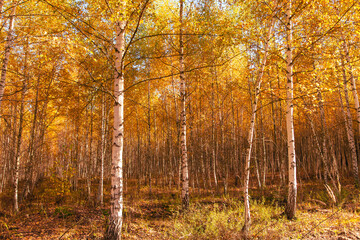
[211,216]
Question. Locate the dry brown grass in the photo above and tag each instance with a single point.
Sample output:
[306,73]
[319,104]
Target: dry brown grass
[211,216]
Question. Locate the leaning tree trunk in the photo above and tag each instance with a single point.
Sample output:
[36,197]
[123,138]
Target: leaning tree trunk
[183,147]
[117,203]
[292,191]
[246,228]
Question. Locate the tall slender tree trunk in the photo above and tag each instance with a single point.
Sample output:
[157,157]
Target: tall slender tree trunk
[333,165]
[264,165]
[290,209]
[90,163]
[8,46]
[213,138]
[102,151]
[29,164]
[117,202]
[246,228]
[148,152]
[349,69]
[183,146]
[349,129]
[334,176]
[18,149]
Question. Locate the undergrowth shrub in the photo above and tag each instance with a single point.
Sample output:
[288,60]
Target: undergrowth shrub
[64,211]
[56,188]
[222,221]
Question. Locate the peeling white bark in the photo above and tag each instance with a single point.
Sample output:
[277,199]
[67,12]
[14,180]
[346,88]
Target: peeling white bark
[292,191]
[246,228]
[117,202]
[183,146]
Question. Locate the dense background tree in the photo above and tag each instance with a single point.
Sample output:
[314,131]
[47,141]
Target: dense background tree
[260,82]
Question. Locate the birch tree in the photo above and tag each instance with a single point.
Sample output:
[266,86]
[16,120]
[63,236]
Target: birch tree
[292,190]
[349,127]
[246,228]
[184,158]
[117,202]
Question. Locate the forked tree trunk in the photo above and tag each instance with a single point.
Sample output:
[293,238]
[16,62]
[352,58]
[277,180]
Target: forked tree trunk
[117,203]
[183,147]
[290,209]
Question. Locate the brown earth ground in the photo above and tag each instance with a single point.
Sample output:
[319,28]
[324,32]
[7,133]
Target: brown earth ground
[212,215]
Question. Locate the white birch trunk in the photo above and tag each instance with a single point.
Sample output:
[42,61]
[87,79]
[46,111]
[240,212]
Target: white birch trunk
[348,68]
[353,83]
[103,147]
[246,228]
[349,129]
[116,205]
[183,146]
[292,191]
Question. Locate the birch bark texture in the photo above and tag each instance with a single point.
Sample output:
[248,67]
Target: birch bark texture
[117,202]
[183,146]
[347,69]
[349,128]
[102,149]
[290,209]
[246,228]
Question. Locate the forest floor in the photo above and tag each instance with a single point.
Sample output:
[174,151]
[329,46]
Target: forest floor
[211,216]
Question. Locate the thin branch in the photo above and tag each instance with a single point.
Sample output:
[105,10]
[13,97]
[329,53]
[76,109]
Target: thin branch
[303,236]
[137,27]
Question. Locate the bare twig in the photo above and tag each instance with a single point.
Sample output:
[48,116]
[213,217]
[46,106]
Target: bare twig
[303,236]
[71,227]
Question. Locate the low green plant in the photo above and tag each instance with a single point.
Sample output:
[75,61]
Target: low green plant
[64,211]
[105,212]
